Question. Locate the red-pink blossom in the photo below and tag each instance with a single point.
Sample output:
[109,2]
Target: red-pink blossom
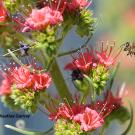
[42,81]
[41,18]
[3,12]
[89,119]
[23,78]
[105,56]
[5,87]
[67,112]
[76,4]
[83,62]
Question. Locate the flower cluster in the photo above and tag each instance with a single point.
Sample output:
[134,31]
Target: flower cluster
[51,14]
[91,65]
[3,12]
[20,83]
[41,18]
[86,117]
[24,79]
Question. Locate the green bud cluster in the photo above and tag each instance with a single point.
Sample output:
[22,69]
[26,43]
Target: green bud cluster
[17,5]
[85,25]
[11,6]
[47,40]
[26,100]
[99,76]
[64,127]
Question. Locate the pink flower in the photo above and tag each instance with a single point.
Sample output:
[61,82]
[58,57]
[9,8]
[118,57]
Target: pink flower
[3,12]
[42,81]
[5,87]
[106,58]
[112,100]
[109,104]
[23,78]
[41,18]
[67,112]
[76,4]
[84,62]
[89,120]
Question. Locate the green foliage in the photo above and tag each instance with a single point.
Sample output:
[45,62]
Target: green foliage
[85,24]
[121,114]
[113,75]
[9,102]
[131,120]
[9,38]
[18,5]
[82,85]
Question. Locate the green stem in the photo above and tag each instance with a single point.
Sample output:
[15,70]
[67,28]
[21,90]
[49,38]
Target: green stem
[59,81]
[75,50]
[92,89]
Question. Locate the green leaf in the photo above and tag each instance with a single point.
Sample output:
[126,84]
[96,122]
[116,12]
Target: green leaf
[25,132]
[91,87]
[113,75]
[131,120]
[15,58]
[121,114]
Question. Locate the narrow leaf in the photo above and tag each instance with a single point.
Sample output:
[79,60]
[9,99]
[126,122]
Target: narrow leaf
[113,75]
[131,121]
[15,58]
[92,89]
[25,132]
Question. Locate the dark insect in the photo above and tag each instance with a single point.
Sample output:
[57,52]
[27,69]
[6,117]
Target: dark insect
[77,75]
[129,48]
[24,48]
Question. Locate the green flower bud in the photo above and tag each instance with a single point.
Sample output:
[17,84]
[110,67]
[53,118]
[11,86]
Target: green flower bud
[85,25]
[99,76]
[46,40]
[82,85]
[26,100]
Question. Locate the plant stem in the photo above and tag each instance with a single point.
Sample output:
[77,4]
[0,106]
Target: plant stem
[75,50]
[59,81]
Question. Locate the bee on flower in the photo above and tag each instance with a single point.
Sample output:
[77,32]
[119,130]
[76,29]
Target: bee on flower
[92,67]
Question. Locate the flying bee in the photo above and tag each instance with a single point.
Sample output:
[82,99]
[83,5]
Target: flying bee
[129,48]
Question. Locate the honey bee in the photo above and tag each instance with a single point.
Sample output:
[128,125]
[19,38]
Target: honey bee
[129,48]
